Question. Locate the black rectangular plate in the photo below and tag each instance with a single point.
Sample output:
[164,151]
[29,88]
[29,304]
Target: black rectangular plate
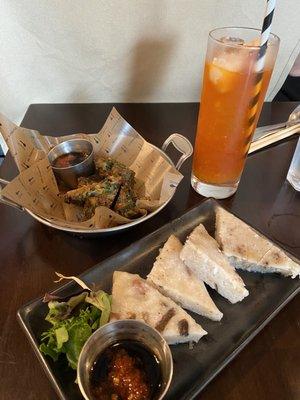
[193,368]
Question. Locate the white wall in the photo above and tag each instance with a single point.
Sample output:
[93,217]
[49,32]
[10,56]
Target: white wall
[120,50]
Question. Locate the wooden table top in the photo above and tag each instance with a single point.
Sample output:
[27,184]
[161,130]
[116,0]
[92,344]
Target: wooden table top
[268,368]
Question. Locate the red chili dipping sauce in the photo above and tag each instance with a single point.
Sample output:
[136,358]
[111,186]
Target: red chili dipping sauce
[69,159]
[126,371]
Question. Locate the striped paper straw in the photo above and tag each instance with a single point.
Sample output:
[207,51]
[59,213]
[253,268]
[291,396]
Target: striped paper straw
[260,63]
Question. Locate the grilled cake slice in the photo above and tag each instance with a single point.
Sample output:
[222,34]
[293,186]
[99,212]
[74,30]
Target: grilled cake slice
[203,256]
[174,279]
[135,298]
[248,250]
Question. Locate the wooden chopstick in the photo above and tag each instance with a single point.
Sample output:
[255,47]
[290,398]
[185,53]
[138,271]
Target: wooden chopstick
[273,138]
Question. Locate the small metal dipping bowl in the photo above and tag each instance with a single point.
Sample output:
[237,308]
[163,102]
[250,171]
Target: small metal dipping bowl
[70,174]
[113,332]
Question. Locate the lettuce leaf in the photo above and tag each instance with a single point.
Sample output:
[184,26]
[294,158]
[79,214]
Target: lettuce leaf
[68,336]
[73,321]
[78,334]
[62,336]
[101,300]
[59,311]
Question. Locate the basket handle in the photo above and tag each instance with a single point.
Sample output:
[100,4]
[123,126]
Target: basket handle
[182,144]
[5,201]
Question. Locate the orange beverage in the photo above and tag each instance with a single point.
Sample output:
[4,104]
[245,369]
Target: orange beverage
[223,132]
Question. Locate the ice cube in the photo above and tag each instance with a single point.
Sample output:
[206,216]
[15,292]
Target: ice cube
[215,73]
[221,78]
[222,69]
[253,43]
[232,40]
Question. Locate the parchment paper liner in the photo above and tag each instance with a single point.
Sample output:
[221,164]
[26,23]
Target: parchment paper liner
[35,188]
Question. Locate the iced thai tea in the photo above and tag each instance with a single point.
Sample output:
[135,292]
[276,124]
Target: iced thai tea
[223,132]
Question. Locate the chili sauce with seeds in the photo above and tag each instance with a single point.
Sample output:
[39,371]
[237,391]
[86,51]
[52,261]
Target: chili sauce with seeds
[126,370]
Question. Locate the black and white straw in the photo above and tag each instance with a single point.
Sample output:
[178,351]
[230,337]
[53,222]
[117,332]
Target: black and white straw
[260,63]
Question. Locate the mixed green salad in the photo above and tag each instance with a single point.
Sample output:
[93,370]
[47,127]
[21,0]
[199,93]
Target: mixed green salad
[73,320]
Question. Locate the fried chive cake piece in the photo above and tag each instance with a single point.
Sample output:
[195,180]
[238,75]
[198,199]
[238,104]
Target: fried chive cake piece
[126,203]
[112,186]
[92,203]
[108,167]
[106,198]
[87,180]
[105,191]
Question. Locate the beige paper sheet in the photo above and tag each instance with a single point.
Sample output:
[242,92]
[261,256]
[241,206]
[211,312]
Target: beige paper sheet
[35,187]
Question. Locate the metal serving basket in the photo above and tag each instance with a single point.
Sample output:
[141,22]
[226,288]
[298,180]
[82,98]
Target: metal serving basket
[181,143]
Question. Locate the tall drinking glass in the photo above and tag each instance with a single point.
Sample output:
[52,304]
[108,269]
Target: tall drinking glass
[225,129]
